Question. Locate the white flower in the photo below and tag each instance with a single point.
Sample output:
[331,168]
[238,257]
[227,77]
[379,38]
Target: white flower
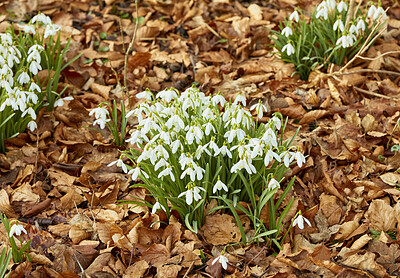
[331,4]
[287,158]
[34,87]
[237,132]
[167,171]
[145,94]
[17,230]
[288,48]
[299,221]
[379,11]
[295,16]
[322,12]
[273,183]
[31,113]
[277,122]
[176,145]
[371,11]
[51,30]
[119,163]
[60,102]
[27,28]
[240,98]
[219,185]
[32,126]
[260,108]
[299,158]
[361,25]
[224,150]
[157,206]
[270,156]
[135,172]
[346,40]
[218,99]
[353,29]
[41,18]
[222,260]
[269,138]
[167,95]
[99,113]
[34,67]
[23,78]
[244,164]
[338,23]
[208,127]
[287,31]
[192,193]
[342,6]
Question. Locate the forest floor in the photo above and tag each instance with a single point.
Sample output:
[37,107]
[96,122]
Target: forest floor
[56,180]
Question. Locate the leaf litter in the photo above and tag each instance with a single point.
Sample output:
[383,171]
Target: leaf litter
[57,182]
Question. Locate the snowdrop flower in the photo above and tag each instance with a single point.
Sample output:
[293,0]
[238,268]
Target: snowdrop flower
[276,122]
[208,128]
[224,151]
[157,206]
[161,163]
[218,99]
[360,25]
[27,28]
[194,132]
[299,221]
[346,40]
[338,23]
[273,183]
[299,158]
[119,163]
[208,114]
[353,29]
[23,78]
[371,11]
[167,95]
[331,4]
[31,113]
[269,138]
[260,108]
[236,132]
[192,193]
[176,145]
[322,12]
[240,98]
[34,67]
[222,260]
[135,172]
[60,102]
[41,18]
[145,94]
[34,87]
[101,116]
[287,31]
[288,48]
[270,155]
[219,185]
[51,30]
[167,171]
[17,229]
[379,11]
[32,126]
[287,158]
[342,6]
[295,16]
[244,163]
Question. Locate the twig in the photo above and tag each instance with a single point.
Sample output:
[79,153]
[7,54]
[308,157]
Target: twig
[337,73]
[212,30]
[130,48]
[350,13]
[373,94]
[380,56]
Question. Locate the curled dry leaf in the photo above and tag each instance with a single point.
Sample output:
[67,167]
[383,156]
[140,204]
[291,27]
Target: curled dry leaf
[381,216]
[365,262]
[137,270]
[312,116]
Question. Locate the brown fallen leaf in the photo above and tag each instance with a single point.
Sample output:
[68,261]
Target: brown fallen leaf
[157,254]
[381,216]
[221,229]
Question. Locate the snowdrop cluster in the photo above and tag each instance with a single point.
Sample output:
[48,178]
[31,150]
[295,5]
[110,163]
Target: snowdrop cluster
[328,24]
[195,146]
[20,61]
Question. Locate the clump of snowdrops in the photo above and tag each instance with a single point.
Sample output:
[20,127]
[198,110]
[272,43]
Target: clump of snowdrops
[331,34]
[24,53]
[195,148]
[14,229]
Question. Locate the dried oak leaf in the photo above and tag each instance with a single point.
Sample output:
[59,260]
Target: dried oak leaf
[381,216]
[365,262]
[221,229]
[156,254]
[136,270]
